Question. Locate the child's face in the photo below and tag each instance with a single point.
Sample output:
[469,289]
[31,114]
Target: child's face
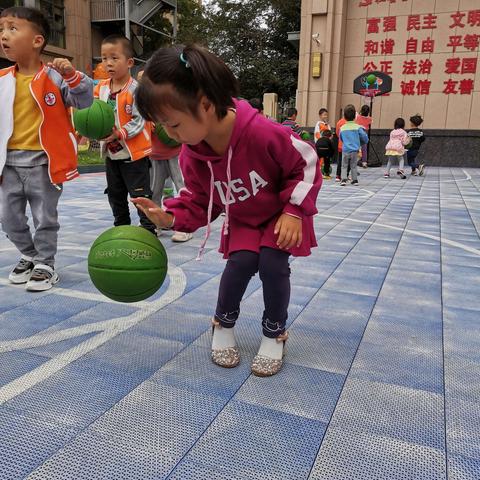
[115,62]
[19,38]
[324,117]
[184,127]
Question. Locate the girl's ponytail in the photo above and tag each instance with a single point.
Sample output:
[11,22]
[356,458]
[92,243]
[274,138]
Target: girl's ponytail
[178,76]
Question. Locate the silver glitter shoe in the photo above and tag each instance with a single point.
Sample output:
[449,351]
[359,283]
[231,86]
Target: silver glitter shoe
[263,366]
[224,357]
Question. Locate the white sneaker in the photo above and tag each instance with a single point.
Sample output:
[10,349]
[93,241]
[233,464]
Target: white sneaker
[181,237]
[43,278]
[22,271]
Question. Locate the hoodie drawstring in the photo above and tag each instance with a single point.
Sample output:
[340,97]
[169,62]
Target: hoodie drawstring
[209,214]
[210,204]
[226,224]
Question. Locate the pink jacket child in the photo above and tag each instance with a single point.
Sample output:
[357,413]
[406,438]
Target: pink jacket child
[395,148]
[397,142]
[267,170]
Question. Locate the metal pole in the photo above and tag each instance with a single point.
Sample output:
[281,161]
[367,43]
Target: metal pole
[127,19]
[369,130]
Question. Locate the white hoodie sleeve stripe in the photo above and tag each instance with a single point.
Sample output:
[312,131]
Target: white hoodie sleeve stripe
[303,187]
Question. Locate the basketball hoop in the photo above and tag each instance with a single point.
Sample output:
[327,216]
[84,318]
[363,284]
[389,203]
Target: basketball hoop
[370,85]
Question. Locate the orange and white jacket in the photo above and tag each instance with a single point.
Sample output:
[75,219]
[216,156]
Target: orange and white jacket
[54,95]
[135,131]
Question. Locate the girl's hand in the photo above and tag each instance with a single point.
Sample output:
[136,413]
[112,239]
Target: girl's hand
[289,231]
[62,66]
[115,135]
[157,215]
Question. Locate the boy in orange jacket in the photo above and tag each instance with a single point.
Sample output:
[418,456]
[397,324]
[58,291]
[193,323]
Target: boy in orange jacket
[38,148]
[127,149]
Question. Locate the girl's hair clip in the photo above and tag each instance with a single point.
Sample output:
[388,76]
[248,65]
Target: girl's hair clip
[184,60]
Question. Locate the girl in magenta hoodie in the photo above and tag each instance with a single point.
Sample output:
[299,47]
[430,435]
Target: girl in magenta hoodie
[261,175]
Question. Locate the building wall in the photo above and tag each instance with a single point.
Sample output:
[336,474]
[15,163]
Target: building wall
[351,31]
[78,40]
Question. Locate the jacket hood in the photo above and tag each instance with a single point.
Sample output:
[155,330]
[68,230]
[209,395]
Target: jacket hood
[244,116]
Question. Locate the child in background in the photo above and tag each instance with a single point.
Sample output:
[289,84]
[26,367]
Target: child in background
[164,166]
[234,160]
[127,149]
[291,121]
[165,170]
[395,148]
[38,150]
[364,120]
[325,151]
[418,137]
[339,125]
[353,136]
[322,124]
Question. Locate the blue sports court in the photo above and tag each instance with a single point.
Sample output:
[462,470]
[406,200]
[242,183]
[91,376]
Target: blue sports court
[381,378]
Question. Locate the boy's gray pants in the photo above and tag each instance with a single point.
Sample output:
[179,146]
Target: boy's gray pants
[30,184]
[349,160]
[161,170]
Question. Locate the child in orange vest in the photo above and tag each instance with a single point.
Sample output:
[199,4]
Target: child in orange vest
[38,147]
[127,149]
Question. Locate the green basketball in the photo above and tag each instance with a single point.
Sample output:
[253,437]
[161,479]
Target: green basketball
[95,122]
[127,263]
[371,79]
[164,138]
[305,136]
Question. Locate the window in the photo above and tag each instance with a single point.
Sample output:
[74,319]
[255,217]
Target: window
[55,12]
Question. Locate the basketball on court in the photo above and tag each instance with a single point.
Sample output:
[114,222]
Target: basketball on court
[127,263]
[95,122]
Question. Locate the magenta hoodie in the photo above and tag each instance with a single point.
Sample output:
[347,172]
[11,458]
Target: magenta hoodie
[267,170]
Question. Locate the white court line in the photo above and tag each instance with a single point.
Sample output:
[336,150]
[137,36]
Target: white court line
[445,241]
[467,178]
[109,328]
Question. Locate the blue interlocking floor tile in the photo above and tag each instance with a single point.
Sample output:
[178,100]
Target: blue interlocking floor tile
[402,413]
[463,426]
[354,455]
[51,350]
[76,395]
[193,370]
[26,443]
[160,418]
[463,468]
[92,456]
[277,446]
[15,364]
[462,333]
[309,392]
[417,368]
[332,351]
[358,280]
[195,471]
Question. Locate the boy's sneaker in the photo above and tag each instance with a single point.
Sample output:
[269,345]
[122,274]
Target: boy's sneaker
[401,175]
[343,183]
[43,278]
[415,172]
[421,169]
[337,179]
[386,175]
[364,165]
[22,271]
[355,182]
[181,237]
